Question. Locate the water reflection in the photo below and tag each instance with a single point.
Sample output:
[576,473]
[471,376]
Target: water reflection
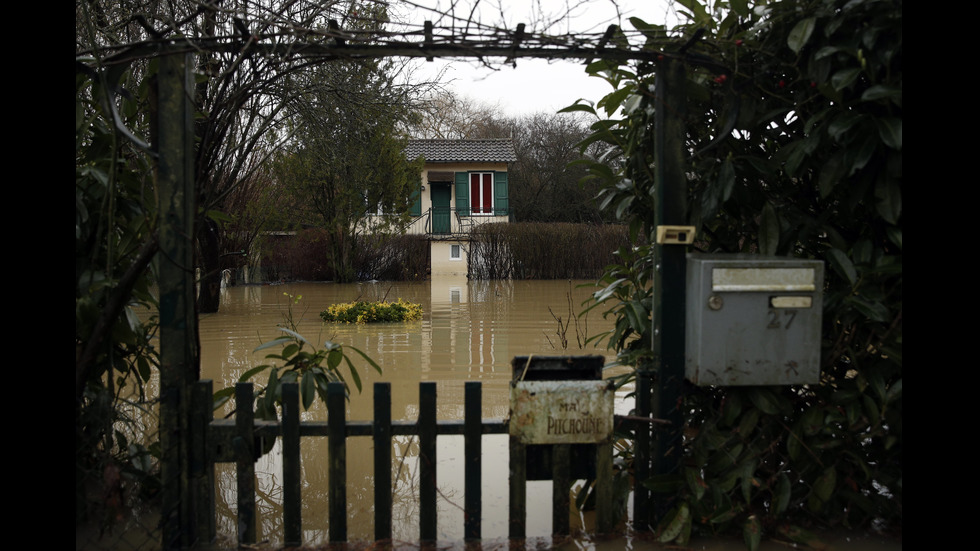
[470,332]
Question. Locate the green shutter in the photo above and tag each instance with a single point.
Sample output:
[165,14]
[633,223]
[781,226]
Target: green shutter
[501,204]
[463,193]
[417,201]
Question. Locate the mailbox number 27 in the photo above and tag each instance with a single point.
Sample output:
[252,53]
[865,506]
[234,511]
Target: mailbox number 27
[780,319]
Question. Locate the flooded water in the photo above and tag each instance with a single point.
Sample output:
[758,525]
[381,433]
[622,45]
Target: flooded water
[470,332]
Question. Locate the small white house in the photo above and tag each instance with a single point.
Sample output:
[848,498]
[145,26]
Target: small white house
[464,184]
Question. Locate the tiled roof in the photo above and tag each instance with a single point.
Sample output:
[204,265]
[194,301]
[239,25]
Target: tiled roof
[462,151]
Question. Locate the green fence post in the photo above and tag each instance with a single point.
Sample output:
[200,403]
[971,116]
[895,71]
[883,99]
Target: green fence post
[292,505]
[337,449]
[428,512]
[473,464]
[382,461]
[244,444]
[202,461]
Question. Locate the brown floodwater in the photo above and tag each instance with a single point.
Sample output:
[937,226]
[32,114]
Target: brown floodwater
[470,331]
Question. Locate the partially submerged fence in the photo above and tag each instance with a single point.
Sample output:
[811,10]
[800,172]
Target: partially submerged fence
[240,440]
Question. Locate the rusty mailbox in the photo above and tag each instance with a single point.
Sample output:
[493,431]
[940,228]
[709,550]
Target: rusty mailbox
[560,400]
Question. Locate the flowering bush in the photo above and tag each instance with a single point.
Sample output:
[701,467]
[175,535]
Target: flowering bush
[372,312]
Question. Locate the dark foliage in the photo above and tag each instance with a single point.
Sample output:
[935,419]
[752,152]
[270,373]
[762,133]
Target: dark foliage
[304,256]
[794,140]
[544,251]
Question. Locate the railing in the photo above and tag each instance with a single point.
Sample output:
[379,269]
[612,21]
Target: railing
[450,222]
[239,440]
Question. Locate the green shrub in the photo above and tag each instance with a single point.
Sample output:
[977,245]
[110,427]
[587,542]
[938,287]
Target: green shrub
[372,312]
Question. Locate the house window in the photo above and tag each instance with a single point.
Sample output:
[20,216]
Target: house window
[454,252]
[371,208]
[481,193]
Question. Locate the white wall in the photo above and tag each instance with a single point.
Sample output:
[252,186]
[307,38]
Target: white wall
[442,264]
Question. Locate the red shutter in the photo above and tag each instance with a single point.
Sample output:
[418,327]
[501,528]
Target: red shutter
[487,201]
[476,198]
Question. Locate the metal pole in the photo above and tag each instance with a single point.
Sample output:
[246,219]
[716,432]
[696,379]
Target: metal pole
[670,266]
[178,322]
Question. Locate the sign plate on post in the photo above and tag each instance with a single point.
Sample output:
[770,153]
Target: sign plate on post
[561,412]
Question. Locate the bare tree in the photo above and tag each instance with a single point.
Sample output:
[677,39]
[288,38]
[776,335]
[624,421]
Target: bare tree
[548,186]
[450,116]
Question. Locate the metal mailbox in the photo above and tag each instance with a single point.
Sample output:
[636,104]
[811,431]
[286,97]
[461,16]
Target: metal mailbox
[753,320]
[562,412]
[554,370]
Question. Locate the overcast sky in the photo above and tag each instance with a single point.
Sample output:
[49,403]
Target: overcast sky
[537,85]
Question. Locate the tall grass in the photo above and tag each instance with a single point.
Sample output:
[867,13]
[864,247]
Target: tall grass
[544,250]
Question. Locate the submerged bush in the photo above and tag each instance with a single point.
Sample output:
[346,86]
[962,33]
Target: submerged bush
[544,250]
[372,312]
[305,256]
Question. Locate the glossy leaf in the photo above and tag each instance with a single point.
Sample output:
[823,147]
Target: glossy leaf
[812,420]
[334,357]
[290,350]
[830,174]
[308,389]
[824,486]
[274,343]
[842,265]
[695,483]
[752,533]
[749,482]
[697,10]
[675,524]
[740,7]
[353,373]
[748,422]
[800,35]
[890,131]
[794,444]
[880,91]
[889,204]
[731,408]
[766,400]
[221,397]
[781,494]
[579,106]
[248,374]
[768,231]
[367,358]
[295,335]
[894,391]
[844,78]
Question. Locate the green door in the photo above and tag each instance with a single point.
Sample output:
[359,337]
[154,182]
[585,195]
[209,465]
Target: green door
[441,211]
